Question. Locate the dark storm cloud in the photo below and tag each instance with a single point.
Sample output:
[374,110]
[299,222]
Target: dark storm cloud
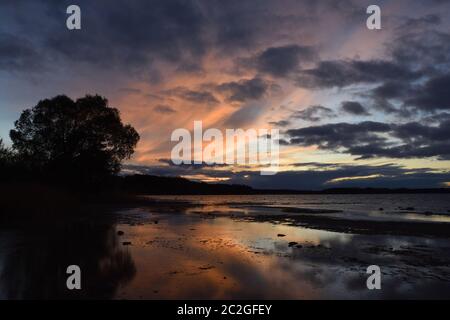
[428,49]
[433,95]
[354,108]
[202,97]
[280,123]
[190,67]
[413,77]
[437,118]
[388,107]
[390,90]
[389,98]
[421,22]
[134,32]
[426,53]
[128,36]
[167,168]
[248,25]
[310,114]
[342,73]
[316,165]
[370,139]
[314,113]
[18,54]
[280,61]
[237,24]
[337,135]
[187,166]
[243,90]
[419,133]
[164,109]
[132,35]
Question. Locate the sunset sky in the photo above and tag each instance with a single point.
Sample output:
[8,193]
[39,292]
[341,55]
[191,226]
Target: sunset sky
[355,107]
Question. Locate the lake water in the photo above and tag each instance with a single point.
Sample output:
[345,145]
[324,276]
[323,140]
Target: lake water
[205,247]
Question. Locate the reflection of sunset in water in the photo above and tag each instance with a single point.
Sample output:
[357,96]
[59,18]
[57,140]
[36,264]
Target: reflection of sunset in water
[208,261]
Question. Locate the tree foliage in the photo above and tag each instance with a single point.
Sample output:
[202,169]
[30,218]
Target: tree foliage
[82,140]
[5,154]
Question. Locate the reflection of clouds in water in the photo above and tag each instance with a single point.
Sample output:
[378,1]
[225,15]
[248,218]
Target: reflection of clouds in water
[184,272]
[217,258]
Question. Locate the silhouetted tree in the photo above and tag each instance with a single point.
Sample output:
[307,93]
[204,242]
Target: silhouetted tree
[83,140]
[4,152]
[6,158]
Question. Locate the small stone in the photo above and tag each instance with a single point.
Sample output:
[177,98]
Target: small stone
[293,243]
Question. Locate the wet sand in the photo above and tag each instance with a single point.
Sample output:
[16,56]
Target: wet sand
[408,228]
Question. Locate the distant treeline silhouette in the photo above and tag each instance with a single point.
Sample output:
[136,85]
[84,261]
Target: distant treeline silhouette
[156,185]
[148,184]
